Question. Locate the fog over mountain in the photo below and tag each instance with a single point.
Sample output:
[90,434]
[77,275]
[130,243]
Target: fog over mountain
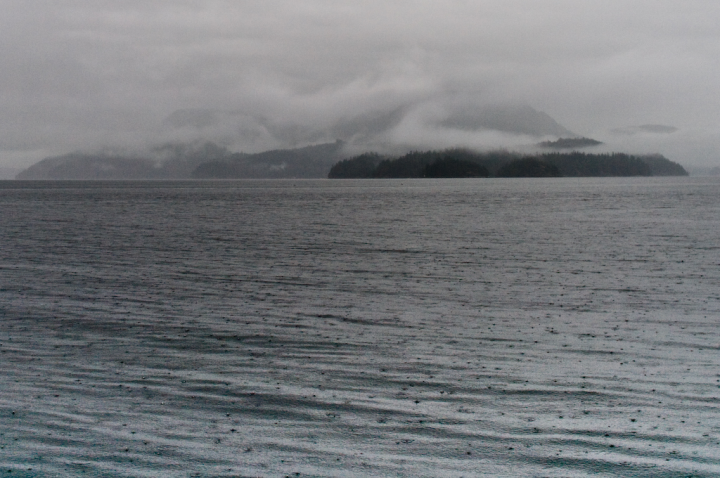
[255,76]
[422,124]
[645,128]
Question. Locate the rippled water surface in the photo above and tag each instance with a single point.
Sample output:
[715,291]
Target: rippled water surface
[325,328]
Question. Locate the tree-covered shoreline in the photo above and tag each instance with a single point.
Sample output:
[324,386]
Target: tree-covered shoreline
[210,161]
[458,163]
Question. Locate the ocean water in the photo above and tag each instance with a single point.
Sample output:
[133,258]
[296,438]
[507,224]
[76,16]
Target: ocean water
[493,327]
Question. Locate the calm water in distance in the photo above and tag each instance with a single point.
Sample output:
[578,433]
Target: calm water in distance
[497,327]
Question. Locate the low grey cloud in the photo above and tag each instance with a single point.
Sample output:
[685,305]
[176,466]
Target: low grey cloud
[645,129]
[79,75]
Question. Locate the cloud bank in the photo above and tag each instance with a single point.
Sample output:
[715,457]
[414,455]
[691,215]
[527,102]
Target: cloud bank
[81,75]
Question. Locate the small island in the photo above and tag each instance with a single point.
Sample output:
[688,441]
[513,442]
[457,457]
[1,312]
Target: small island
[570,143]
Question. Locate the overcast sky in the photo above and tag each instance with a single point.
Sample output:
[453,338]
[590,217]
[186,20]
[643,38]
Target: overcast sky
[88,73]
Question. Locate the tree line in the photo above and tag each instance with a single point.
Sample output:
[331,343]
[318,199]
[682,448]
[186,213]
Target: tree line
[463,163]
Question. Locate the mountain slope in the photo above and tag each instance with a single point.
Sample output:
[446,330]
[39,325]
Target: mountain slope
[307,162]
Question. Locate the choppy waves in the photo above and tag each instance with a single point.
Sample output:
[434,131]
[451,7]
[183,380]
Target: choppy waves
[408,328]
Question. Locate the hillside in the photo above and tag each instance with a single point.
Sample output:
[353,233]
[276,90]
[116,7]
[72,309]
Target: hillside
[170,161]
[504,164]
[307,162]
[185,161]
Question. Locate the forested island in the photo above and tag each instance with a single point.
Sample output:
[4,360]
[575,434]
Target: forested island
[462,163]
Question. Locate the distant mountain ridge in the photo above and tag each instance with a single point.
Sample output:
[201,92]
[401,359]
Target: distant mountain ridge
[191,161]
[170,161]
[312,148]
[518,119]
[381,126]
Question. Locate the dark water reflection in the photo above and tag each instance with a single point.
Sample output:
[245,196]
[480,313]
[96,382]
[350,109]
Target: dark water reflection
[357,328]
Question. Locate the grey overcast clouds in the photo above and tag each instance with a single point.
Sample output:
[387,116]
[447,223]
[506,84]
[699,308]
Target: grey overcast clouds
[83,74]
